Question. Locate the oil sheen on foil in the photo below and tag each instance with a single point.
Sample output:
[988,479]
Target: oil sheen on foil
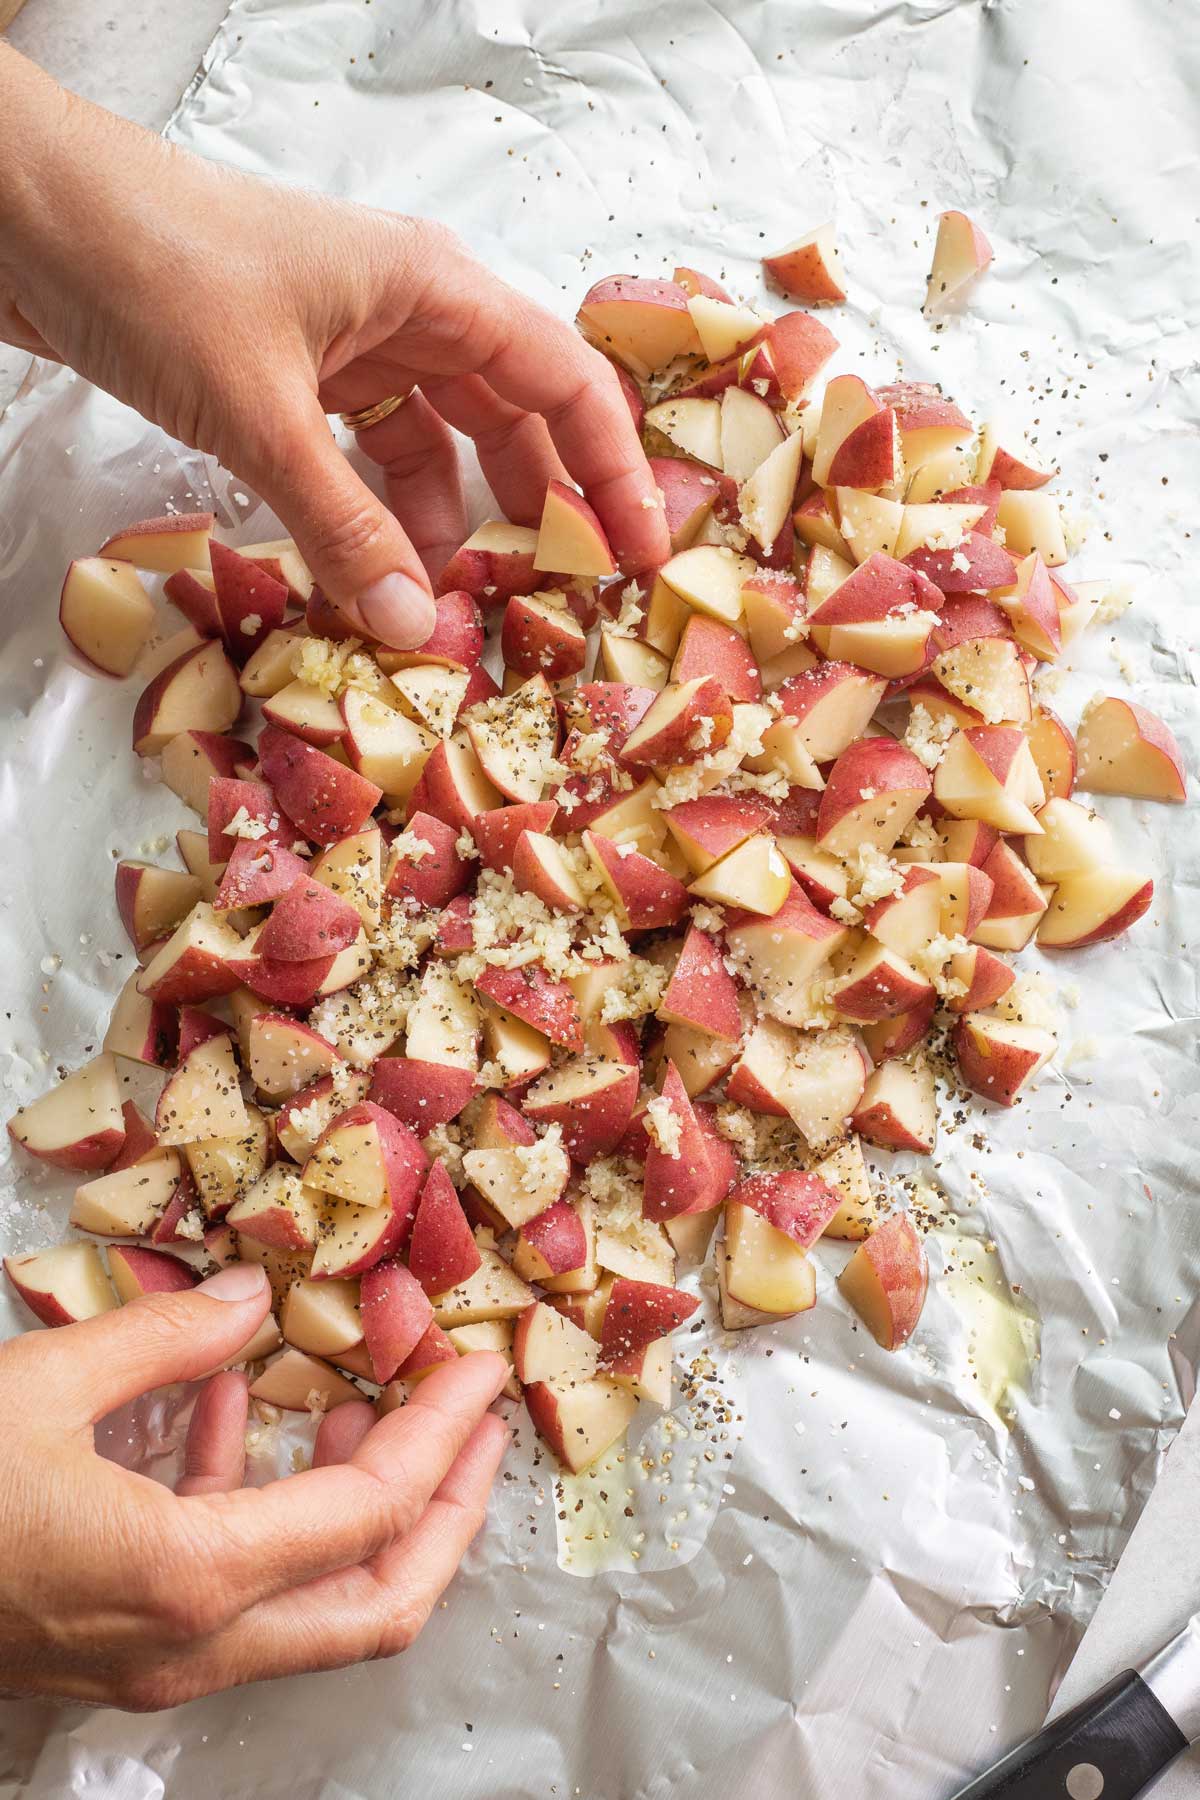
[828,1572]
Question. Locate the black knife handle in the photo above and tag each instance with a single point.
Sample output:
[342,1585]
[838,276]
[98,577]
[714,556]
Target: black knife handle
[1109,1748]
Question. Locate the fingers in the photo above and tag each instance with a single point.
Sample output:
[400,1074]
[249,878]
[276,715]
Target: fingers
[359,553]
[543,366]
[424,482]
[267,1540]
[86,1370]
[214,1456]
[341,1432]
[360,1612]
[514,447]
[415,1570]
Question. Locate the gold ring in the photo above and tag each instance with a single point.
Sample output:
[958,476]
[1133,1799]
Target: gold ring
[375,415]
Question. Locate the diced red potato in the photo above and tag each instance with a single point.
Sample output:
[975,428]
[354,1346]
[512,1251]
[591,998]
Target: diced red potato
[886,1281]
[1125,749]
[78,1124]
[797,978]
[199,691]
[106,613]
[250,602]
[63,1284]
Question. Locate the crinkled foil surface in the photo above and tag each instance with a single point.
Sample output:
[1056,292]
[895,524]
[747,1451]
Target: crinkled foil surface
[832,1573]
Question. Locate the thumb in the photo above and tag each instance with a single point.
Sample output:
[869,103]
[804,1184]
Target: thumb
[359,555]
[87,1369]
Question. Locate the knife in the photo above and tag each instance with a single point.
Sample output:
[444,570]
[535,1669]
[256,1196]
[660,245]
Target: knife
[1115,1745]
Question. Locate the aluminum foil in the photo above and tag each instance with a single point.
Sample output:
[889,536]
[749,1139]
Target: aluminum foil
[828,1572]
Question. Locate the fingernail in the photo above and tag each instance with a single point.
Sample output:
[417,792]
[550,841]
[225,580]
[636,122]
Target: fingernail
[398,611]
[240,1281]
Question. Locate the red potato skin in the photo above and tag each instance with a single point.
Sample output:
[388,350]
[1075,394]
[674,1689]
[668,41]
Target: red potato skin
[389,1242]
[197,603]
[308,922]
[454,931]
[983,493]
[673,742]
[881,764]
[505,572]
[226,756]
[919,405]
[867,457]
[1158,735]
[497,833]
[708,647]
[688,490]
[148,701]
[800,347]
[898,1258]
[991,979]
[244,591]
[227,795]
[434,1348]
[421,1095]
[718,824]
[694,282]
[437,792]
[322,619]
[558,1237]
[165,525]
[327,800]
[442,1250]
[457,637]
[650,895]
[139,1136]
[405,1162]
[585,797]
[500,1126]
[638,1313]
[880,1126]
[723,1164]
[991,566]
[282,983]
[535,645]
[480,686]
[1126,916]
[128,878]
[893,1037]
[688,1182]
[798,1204]
[196,1027]
[96,1151]
[593,1127]
[878,587]
[966,617]
[614,707]
[184,1200]
[991,1077]
[257,876]
[702,985]
[396,1314]
[532,995]
[435,880]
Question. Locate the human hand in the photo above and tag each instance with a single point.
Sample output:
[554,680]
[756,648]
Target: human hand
[115,1591]
[236,314]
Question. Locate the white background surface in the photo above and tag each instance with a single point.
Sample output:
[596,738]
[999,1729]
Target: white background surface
[138,61]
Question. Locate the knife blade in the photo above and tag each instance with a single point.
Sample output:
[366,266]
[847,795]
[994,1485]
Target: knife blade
[1116,1744]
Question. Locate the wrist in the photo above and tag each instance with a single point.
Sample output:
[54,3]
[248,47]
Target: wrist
[64,161]
[34,115]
